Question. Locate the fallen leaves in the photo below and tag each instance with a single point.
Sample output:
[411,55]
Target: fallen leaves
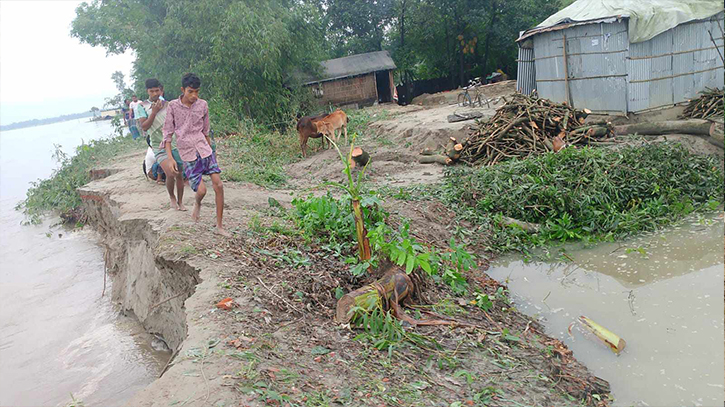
[226,304]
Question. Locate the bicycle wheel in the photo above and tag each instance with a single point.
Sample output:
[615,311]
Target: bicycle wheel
[477,101]
[464,99]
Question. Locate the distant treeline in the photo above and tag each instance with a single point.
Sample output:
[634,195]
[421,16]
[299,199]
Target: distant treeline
[40,122]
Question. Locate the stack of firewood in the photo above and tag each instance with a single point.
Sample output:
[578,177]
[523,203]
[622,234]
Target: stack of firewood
[528,125]
[710,104]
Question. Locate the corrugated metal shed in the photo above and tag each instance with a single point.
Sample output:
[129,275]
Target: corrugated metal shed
[673,66]
[596,68]
[353,65]
[526,75]
[606,73]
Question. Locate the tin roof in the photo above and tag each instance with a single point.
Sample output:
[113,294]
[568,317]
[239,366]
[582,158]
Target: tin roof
[647,19]
[353,65]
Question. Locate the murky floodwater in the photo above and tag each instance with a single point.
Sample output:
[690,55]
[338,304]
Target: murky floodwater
[58,336]
[662,293]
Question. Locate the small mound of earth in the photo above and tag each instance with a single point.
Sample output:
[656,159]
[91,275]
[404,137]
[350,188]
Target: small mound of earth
[391,167]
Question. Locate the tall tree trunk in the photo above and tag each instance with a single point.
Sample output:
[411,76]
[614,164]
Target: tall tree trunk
[402,25]
[459,30]
[494,9]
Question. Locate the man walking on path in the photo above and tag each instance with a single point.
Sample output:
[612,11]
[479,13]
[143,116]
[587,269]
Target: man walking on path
[188,118]
[151,115]
[132,126]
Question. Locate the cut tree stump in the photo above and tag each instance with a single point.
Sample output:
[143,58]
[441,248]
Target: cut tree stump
[528,227]
[360,157]
[387,293]
[393,286]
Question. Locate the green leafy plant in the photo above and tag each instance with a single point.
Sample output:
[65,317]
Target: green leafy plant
[384,331]
[584,193]
[59,191]
[354,191]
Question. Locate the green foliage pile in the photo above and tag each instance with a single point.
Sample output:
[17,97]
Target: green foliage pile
[590,192]
[59,192]
[330,221]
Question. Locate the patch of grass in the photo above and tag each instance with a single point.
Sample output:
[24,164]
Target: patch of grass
[386,333]
[58,193]
[331,220]
[188,250]
[258,156]
[585,193]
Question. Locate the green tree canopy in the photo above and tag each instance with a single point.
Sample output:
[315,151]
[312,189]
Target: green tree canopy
[244,51]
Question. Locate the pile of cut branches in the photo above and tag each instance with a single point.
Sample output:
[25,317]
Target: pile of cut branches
[528,125]
[710,104]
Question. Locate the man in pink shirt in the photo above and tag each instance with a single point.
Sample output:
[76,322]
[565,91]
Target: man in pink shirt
[188,118]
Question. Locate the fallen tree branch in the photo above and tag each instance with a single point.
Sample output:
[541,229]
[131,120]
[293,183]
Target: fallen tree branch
[279,296]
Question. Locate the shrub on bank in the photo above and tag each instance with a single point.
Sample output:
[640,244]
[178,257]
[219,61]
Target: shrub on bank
[590,192]
[59,191]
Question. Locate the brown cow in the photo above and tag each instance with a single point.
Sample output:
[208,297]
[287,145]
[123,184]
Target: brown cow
[333,122]
[307,129]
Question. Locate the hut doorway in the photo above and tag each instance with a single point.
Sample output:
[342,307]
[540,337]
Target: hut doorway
[382,81]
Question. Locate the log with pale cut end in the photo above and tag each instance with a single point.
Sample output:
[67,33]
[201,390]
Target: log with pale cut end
[692,126]
[597,131]
[392,287]
[526,226]
[614,342]
[428,151]
[360,157]
[454,152]
[716,135]
[435,159]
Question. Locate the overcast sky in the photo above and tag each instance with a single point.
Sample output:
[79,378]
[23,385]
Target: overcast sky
[43,71]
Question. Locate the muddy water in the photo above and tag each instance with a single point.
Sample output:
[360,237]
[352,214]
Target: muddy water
[662,293]
[58,336]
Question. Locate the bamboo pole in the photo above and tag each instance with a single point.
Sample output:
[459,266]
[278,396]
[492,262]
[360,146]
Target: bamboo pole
[566,75]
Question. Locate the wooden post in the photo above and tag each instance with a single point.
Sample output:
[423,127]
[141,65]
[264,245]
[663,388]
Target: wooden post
[566,75]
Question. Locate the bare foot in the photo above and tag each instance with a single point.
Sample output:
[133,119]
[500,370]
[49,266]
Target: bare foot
[181,207]
[221,231]
[195,212]
[174,205]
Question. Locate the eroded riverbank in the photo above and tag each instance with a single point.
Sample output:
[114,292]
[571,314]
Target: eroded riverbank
[58,335]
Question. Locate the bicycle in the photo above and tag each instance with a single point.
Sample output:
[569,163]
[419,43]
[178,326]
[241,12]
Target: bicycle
[465,99]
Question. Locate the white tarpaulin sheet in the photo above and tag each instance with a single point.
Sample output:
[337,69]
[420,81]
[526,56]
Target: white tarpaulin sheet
[647,19]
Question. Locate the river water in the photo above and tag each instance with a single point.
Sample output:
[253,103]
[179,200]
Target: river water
[58,336]
[661,292]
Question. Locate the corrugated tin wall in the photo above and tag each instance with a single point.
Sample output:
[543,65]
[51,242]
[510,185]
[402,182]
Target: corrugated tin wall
[607,74]
[596,55]
[673,66]
[526,72]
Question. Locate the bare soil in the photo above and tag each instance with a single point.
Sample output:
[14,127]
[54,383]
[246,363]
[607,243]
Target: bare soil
[279,345]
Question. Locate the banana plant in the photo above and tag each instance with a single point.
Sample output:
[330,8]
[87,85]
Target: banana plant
[353,188]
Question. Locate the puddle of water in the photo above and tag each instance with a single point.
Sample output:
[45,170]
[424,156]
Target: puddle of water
[665,300]
[57,334]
